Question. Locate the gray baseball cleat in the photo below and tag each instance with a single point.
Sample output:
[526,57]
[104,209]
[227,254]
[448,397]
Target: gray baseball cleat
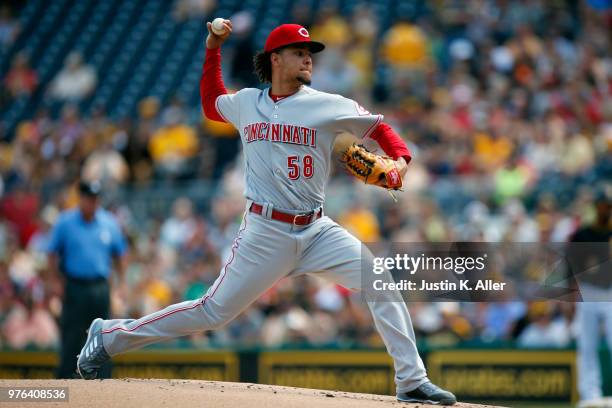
[428,393]
[93,354]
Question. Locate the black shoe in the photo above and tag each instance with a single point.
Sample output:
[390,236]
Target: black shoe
[428,393]
[93,354]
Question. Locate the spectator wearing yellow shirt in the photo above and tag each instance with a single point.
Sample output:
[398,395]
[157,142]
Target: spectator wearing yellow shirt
[361,222]
[405,46]
[492,150]
[332,27]
[405,50]
[172,148]
[365,30]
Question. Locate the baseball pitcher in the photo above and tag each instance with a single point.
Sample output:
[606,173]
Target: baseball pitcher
[287,132]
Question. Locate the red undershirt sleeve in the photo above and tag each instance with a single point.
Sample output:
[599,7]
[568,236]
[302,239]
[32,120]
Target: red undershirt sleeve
[211,84]
[391,142]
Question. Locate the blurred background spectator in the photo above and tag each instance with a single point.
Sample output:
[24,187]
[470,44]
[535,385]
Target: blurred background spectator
[173,147]
[21,80]
[9,27]
[75,81]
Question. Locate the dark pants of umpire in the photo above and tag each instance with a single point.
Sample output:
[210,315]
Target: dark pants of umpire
[83,302]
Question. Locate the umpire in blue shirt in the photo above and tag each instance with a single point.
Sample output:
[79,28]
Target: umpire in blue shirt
[84,243]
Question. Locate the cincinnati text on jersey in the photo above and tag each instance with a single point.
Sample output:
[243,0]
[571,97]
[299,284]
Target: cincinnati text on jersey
[281,133]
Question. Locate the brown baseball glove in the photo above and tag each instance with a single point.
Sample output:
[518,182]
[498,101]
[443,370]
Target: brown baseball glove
[371,168]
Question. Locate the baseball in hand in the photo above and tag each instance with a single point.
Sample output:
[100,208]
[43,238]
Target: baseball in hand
[217,26]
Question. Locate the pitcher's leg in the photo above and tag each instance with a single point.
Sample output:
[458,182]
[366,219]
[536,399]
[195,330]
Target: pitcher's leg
[253,266]
[606,310]
[589,374]
[393,322]
[334,254]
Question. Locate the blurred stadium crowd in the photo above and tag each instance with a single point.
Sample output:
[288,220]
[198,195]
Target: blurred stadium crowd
[506,106]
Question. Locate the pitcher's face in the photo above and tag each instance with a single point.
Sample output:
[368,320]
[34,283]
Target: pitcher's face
[294,63]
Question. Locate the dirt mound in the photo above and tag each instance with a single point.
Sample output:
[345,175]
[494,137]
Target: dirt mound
[154,393]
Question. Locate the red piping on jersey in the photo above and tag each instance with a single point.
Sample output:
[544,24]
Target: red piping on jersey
[201,302]
[277,98]
[211,84]
[234,248]
[374,125]
[391,142]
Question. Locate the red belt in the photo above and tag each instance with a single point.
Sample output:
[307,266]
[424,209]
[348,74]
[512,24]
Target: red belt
[295,219]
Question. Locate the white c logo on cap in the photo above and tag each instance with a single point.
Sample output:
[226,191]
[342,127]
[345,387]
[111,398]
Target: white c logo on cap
[303,32]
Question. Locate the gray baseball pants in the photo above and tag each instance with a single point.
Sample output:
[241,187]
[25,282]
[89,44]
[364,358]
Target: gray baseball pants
[264,252]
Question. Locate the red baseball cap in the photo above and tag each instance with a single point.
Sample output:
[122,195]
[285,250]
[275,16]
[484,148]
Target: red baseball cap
[289,34]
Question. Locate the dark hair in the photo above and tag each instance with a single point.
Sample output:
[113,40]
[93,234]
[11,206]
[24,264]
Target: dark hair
[263,66]
[90,188]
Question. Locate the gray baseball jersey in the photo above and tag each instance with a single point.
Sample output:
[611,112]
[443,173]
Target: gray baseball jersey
[288,144]
[287,147]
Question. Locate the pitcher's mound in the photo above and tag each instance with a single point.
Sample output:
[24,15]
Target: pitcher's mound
[155,393]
